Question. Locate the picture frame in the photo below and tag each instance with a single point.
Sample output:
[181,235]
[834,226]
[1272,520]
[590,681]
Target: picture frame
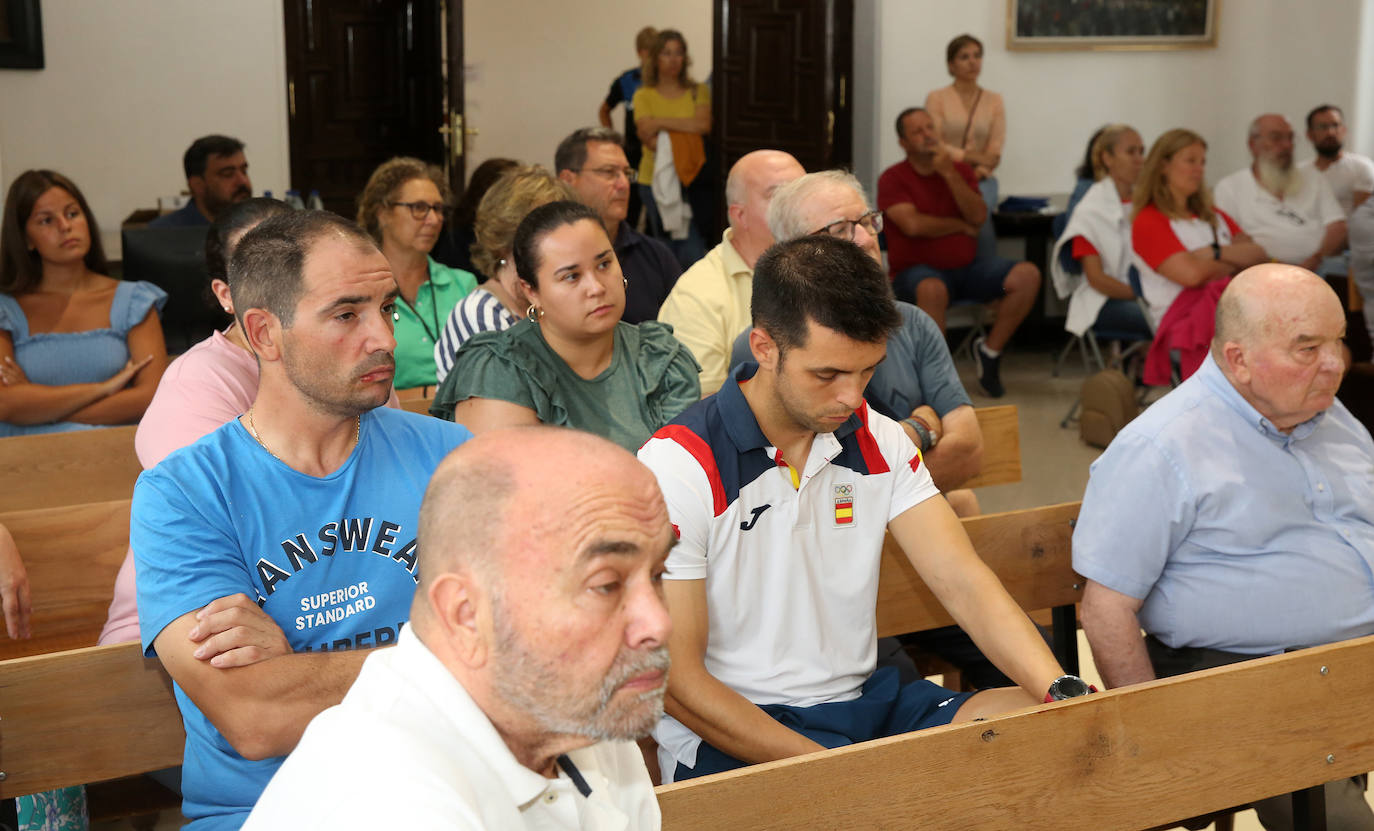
[1105,25]
[21,35]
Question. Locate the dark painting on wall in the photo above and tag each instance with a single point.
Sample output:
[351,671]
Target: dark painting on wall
[1111,24]
[21,35]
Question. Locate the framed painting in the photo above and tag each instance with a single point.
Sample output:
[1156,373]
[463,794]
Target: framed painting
[1111,24]
[21,35]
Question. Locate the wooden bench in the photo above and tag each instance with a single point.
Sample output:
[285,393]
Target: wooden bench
[1001,447]
[54,469]
[126,695]
[72,555]
[1133,758]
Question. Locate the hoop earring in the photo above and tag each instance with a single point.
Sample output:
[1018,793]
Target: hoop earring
[533,313]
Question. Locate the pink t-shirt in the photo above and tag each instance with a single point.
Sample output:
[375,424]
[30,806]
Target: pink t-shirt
[211,383]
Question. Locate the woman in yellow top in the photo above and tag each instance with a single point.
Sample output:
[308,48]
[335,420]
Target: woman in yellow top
[671,102]
[971,121]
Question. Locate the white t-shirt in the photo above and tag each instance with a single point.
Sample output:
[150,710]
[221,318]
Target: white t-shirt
[408,748]
[1290,230]
[791,572]
[1351,172]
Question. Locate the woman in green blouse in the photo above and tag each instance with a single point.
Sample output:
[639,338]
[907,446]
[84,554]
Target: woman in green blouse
[571,361]
[402,207]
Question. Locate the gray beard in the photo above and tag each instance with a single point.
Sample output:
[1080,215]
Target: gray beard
[1283,182]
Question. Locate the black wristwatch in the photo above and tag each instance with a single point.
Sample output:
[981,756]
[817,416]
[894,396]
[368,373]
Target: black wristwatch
[1068,686]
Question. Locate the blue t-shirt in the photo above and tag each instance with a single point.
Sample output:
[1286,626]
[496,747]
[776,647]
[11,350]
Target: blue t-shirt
[331,559]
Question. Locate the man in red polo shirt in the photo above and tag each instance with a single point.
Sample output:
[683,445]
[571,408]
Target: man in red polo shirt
[933,211]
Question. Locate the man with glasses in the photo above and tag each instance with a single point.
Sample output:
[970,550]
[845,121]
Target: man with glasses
[916,384]
[933,212]
[592,162]
[1350,175]
[709,306]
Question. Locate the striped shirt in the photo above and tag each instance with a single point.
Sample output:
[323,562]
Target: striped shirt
[479,311]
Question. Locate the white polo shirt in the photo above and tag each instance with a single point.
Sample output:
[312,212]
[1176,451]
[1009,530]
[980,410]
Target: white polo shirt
[1289,229]
[791,572]
[1349,173]
[408,748]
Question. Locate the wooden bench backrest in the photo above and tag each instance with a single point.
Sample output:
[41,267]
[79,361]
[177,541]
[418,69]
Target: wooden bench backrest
[417,405]
[55,469]
[1001,447]
[1133,758]
[72,555]
[1029,550]
[67,718]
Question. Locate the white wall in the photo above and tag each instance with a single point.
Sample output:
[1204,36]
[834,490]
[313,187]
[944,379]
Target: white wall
[129,84]
[539,69]
[1055,100]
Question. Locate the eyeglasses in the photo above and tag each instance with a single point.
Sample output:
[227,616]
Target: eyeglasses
[844,228]
[420,210]
[610,174]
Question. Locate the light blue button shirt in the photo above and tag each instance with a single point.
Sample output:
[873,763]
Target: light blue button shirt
[1237,536]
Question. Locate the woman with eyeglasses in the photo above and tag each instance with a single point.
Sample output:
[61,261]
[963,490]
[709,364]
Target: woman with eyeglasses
[402,207]
[572,361]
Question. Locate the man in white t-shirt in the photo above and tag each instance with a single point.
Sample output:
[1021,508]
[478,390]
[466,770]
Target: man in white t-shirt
[1350,175]
[535,656]
[781,487]
[1289,210]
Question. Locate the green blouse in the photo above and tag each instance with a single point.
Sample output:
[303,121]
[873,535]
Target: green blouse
[418,327]
[652,378]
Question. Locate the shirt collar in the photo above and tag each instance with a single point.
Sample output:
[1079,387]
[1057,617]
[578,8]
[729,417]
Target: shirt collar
[1210,374]
[730,258]
[524,785]
[439,274]
[740,423]
[626,237]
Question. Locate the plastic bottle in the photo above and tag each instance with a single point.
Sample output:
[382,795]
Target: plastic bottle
[315,203]
[293,198]
[267,194]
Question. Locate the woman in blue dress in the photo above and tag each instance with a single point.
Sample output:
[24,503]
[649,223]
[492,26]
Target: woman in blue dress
[77,349]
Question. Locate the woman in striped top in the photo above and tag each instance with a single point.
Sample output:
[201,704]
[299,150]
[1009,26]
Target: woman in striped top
[499,300]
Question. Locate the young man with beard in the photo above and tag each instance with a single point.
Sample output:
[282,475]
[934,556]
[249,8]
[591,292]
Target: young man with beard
[537,654]
[296,522]
[781,487]
[1350,175]
[1288,210]
[217,176]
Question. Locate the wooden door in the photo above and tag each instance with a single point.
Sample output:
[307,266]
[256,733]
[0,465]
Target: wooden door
[365,82]
[782,71]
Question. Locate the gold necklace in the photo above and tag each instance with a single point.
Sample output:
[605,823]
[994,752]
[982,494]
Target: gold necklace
[253,429]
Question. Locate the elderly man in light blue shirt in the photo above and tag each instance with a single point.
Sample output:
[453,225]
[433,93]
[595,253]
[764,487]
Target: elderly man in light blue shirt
[1235,517]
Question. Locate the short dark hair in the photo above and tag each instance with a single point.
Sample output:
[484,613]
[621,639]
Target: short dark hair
[952,50]
[823,279]
[233,222]
[1320,108]
[572,151]
[534,227]
[203,148]
[481,180]
[21,270]
[1085,169]
[267,269]
[901,116]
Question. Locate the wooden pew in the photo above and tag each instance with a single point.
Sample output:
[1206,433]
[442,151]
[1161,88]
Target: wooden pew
[1133,758]
[1029,549]
[72,555]
[417,405]
[1001,447]
[53,469]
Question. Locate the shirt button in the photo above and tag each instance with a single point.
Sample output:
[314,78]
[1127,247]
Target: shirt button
[1321,487]
[550,797]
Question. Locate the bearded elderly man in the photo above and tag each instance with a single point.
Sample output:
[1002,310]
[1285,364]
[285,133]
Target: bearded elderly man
[1251,522]
[1291,211]
[537,652]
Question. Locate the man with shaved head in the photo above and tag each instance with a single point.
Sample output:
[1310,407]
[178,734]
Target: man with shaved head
[1235,517]
[709,306]
[1290,210]
[536,655]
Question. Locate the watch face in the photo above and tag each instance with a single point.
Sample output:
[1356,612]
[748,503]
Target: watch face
[1069,686]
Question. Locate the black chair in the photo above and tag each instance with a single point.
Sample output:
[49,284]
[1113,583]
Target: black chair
[173,259]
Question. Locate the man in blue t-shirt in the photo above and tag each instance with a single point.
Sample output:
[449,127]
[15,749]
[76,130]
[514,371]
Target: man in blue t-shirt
[622,91]
[291,529]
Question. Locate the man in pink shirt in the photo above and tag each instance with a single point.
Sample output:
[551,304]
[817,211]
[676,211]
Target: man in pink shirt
[933,211]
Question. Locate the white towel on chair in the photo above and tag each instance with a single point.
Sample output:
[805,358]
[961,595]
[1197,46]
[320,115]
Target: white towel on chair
[1105,222]
[673,210]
